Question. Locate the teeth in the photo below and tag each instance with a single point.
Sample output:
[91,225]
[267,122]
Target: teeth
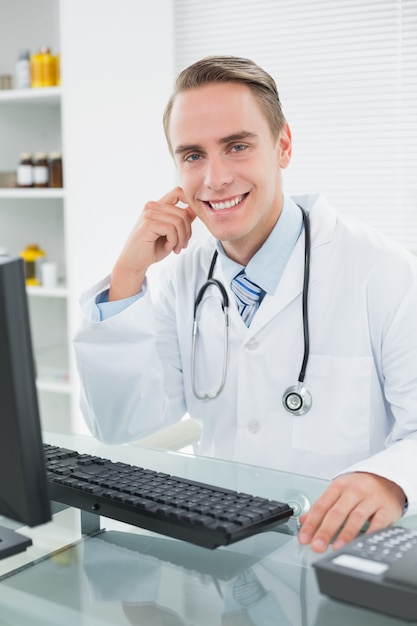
[229,204]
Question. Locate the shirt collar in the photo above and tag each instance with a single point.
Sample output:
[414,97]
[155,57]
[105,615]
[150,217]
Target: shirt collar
[267,266]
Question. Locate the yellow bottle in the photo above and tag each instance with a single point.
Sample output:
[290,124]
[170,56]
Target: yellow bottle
[42,69]
[33,257]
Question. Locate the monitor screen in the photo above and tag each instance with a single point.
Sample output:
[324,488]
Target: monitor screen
[23,484]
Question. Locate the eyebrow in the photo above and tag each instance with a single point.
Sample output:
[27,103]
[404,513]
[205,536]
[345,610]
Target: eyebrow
[222,141]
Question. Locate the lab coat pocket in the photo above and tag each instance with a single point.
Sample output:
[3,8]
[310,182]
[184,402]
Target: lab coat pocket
[339,419]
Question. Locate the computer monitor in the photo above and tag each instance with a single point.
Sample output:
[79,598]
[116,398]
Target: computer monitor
[23,484]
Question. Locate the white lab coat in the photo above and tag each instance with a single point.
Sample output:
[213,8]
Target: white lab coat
[135,367]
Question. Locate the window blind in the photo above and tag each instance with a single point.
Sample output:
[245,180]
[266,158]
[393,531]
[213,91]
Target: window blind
[346,72]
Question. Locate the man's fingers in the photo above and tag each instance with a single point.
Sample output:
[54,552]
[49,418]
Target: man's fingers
[338,508]
[385,516]
[176,196]
[346,505]
[313,520]
[354,524]
[191,213]
[162,227]
[166,220]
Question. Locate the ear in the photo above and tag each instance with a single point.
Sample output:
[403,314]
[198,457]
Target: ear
[284,145]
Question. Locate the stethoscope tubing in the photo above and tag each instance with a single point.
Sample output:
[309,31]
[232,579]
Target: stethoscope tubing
[301,395]
[306,284]
[210,395]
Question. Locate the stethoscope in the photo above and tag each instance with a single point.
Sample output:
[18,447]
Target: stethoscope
[296,399]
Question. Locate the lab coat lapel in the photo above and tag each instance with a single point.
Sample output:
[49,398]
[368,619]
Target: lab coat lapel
[322,224]
[289,287]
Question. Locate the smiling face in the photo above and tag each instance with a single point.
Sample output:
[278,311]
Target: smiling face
[229,164]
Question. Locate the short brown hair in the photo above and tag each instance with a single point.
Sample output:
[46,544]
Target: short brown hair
[230,69]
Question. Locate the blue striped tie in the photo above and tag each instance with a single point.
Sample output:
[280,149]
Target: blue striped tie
[248,296]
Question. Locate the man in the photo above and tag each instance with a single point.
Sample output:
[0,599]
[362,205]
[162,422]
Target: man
[139,370]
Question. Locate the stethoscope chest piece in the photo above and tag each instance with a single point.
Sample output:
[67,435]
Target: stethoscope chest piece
[297,399]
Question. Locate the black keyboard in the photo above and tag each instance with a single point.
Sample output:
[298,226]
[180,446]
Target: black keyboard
[196,512]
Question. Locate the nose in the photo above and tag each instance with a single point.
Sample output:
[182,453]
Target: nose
[217,174]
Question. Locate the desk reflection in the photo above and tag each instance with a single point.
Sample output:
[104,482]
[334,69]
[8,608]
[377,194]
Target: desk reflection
[132,578]
[254,582]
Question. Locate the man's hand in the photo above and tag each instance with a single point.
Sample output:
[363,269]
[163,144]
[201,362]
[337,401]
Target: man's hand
[163,227]
[351,500]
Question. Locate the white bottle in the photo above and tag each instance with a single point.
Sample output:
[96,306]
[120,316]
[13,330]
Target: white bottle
[25,170]
[22,73]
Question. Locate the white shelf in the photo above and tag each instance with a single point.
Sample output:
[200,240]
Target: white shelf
[53,387]
[42,95]
[47,292]
[52,369]
[32,193]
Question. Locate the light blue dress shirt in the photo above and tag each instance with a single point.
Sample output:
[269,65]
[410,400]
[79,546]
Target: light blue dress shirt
[268,264]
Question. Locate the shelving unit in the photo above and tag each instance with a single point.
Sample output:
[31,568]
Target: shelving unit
[30,120]
[106,120]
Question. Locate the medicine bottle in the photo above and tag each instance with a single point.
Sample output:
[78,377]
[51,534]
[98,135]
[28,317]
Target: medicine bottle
[24,174]
[22,70]
[40,170]
[33,257]
[6,81]
[42,68]
[55,169]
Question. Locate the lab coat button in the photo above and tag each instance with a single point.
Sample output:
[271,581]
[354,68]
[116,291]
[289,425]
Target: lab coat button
[253,344]
[254,426]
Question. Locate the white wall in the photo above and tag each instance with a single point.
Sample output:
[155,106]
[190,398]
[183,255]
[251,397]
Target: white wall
[117,74]
[26,25]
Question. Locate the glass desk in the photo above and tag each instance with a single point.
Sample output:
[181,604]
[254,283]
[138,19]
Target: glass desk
[125,575]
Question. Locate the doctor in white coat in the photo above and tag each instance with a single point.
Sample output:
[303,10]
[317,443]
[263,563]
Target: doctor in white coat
[230,141]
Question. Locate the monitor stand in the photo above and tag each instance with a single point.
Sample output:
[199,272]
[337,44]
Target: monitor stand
[12,542]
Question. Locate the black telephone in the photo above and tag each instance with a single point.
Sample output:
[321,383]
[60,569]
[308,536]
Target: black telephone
[377,571]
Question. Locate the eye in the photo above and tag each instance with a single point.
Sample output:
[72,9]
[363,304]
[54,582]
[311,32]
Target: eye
[192,157]
[238,147]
